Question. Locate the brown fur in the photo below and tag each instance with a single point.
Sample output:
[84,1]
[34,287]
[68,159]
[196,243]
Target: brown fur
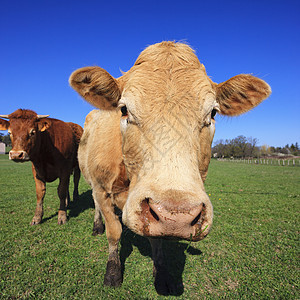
[164,144]
[51,145]
[23,114]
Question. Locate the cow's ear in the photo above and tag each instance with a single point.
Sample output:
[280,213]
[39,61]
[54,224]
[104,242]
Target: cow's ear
[44,124]
[4,124]
[241,93]
[96,86]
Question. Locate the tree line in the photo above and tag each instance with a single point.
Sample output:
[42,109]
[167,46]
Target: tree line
[5,139]
[243,147]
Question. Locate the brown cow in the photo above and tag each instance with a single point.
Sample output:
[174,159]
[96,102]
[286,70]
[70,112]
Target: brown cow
[150,156]
[51,145]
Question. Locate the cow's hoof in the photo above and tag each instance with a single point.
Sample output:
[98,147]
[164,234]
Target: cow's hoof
[98,228]
[164,283]
[62,221]
[36,220]
[62,218]
[113,275]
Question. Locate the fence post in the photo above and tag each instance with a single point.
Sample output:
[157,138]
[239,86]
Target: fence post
[283,162]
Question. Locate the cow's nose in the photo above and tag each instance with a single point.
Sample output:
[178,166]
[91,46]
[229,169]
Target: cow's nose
[18,155]
[171,220]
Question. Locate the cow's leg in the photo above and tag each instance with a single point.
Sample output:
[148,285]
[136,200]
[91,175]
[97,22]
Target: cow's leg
[76,177]
[63,194]
[113,275]
[120,199]
[40,187]
[68,198]
[99,227]
[164,283]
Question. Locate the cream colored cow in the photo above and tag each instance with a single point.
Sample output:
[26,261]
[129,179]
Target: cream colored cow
[148,148]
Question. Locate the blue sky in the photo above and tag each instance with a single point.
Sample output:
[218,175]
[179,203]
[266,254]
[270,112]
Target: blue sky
[43,42]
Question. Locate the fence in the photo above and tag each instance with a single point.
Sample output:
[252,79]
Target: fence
[265,161]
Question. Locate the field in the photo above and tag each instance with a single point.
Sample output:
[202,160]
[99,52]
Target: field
[251,253]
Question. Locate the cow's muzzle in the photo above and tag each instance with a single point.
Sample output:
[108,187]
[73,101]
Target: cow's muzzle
[189,223]
[18,156]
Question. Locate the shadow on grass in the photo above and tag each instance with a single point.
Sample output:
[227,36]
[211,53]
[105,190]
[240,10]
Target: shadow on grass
[49,218]
[84,202]
[75,208]
[174,252]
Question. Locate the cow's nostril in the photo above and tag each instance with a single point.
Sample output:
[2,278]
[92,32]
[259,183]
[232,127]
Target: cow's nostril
[196,219]
[153,213]
[20,155]
[146,207]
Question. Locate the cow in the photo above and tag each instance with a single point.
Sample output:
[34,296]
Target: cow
[51,145]
[148,147]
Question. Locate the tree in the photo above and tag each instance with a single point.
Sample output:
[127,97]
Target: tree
[6,140]
[247,147]
[252,147]
[272,149]
[239,146]
[219,149]
[265,150]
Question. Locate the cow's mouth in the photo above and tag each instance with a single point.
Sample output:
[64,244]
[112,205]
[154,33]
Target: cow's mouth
[20,160]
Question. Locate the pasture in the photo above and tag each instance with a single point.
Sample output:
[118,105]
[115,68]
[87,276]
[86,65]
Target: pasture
[251,253]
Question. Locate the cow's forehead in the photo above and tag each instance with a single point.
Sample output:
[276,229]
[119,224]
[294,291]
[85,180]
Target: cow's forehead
[22,124]
[151,87]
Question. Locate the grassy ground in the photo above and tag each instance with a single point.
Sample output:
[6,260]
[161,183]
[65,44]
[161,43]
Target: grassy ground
[251,253]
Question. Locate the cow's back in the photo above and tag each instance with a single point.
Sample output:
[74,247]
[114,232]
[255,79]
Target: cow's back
[100,150]
[77,132]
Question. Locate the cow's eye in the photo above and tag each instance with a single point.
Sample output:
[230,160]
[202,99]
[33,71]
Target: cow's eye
[31,132]
[213,113]
[124,111]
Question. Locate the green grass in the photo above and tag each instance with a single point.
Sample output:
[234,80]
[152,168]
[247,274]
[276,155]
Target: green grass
[251,253]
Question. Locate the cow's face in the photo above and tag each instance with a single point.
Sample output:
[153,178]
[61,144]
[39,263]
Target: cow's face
[24,127]
[168,105]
